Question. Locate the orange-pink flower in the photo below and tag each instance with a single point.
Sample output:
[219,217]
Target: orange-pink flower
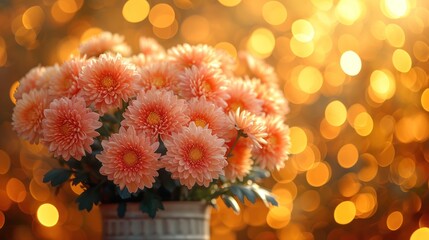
[257,68]
[151,48]
[65,82]
[273,154]
[129,160]
[194,156]
[160,75]
[69,128]
[36,78]
[108,81]
[186,56]
[239,159]
[251,125]
[103,43]
[242,96]
[28,115]
[156,112]
[273,100]
[204,82]
[207,114]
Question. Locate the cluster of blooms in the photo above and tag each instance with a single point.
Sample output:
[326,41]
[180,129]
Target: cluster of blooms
[214,115]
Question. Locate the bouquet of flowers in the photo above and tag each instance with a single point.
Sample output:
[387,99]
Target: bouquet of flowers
[187,123]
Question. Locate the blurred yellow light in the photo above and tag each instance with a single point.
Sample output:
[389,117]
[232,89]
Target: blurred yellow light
[48,215]
[394,220]
[162,15]
[333,74]
[394,8]
[349,185]
[286,174]
[365,204]
[345,212]
[168,32]
[261,42]
[406,167]
[425,99]
[59,15]
[4,162]
[298,139]
[369,167]
[229,3]
[318,175]
[363,124]
[309,201]
[395,36]
[420,234]
[353,111]
[303,30]
[274,12]
[33,17]
[12,91]
[328,131]
[310,80]
[3,52]
[40,192]
[348,11]
[421,51]
[135,11]
[401,60]
[78,189]
[336,113]
[350,63]
[348,155]
[70,6]
[187,29]
[304,160]
[323,5]
[227,47]
[15,190]
[301,49]
[278,217]
[382,84]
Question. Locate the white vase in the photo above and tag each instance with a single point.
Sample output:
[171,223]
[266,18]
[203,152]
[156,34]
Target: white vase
[179,220]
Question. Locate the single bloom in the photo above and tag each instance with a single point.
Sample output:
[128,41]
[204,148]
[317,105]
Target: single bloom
[274,154]
[273,100]
[250,125]
[188,56]
[69,128]
[242,96]
[108,81]
[151,48]
[204,82]
[28,114]
[156,112]
[206,114]
[159,75]
[129,160]
[257,68]
[239,158]
[36,78]
[104,42]
[64,82]
[194,156]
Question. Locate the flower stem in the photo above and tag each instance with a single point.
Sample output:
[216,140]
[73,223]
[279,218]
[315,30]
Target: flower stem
[239,134]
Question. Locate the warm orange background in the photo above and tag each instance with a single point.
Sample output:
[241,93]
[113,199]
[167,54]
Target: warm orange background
[354,71]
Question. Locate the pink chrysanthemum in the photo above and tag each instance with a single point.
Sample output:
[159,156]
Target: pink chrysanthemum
[28,115]
[257,68]
[274,154]
[274,102]
[187,56]
[129,160]
[242,95]
[204,82]
[107,81]
[103,43]
[251,126]
[140,60]
[36,78]
[239,159]
[69,128]
[156,112]
[194,156]
[151,48]
[206,114]
[65,82]
[159,75]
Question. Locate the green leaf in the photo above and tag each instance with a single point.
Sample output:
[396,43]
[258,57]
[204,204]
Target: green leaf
[88,198]
[150,203]
[235,189]
[122,208]
[231,203]
[265,195]
[80,177]
[74,164]
[57,176]
[103,131]
[124,193]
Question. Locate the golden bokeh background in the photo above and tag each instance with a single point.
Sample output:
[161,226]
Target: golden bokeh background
[354,71]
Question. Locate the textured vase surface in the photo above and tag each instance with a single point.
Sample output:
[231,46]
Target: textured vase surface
[179,220]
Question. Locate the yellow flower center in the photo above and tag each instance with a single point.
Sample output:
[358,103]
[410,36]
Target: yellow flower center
[207,87]
[130,158]
[272,140]
[158,81]
[195,154]
[200,122]
[107,82]
[66,129]
[235,105]
[153,118]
